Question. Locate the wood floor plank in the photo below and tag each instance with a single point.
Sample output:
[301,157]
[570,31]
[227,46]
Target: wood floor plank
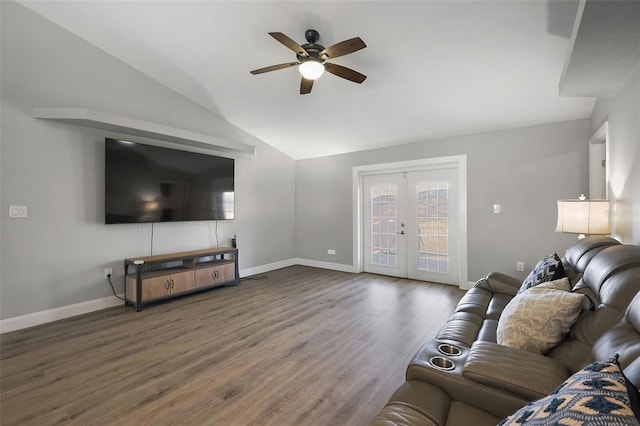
[299,345]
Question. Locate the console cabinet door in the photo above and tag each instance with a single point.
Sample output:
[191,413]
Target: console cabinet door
[181,282]
[226,272]
[215,274]
[155,287]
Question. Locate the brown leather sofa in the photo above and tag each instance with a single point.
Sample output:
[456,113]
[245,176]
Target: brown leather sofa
[464,377]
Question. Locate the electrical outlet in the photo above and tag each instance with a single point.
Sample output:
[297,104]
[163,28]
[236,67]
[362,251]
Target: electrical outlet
[107,272]
[332,252]
[520,266]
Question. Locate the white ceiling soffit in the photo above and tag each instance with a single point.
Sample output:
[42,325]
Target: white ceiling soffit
[129,126]
[605,48]
[435,68]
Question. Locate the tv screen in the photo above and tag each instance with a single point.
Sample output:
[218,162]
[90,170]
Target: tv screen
[145,183]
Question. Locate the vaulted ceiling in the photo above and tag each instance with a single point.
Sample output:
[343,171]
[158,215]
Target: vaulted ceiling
[435,68]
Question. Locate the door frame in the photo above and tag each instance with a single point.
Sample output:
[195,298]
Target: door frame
[599,175]
[458,162]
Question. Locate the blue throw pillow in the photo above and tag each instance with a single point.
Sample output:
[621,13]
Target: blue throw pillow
[549,268]
[599,394]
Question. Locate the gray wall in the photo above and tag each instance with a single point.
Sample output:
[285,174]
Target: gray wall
[525,170]
[56,256]
[623,114]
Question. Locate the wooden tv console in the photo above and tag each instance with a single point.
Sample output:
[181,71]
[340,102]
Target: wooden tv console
[174,274]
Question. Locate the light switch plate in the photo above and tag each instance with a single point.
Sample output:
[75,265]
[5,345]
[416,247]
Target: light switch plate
[18,211]
[497,208]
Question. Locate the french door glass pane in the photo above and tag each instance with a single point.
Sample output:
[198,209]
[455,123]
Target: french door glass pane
[433,227]
[383,224]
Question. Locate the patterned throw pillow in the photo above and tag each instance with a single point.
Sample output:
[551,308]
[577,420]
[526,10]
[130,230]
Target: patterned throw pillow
[599,394]
[549,268]
[538,319]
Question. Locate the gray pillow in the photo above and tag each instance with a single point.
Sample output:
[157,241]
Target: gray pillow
[539,318]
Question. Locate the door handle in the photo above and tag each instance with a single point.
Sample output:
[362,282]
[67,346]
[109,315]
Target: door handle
[401,232]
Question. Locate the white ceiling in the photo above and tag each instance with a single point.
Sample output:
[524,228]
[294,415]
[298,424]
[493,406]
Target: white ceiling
[435,68]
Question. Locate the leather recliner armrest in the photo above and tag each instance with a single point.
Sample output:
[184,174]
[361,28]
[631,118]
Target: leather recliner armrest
[526,374]
[500,283]
[498,402]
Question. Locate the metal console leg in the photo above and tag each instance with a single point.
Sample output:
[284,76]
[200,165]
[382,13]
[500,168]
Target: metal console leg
[139,265]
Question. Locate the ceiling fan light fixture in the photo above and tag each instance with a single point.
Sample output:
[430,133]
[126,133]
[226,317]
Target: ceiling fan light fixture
[311,70]
[311,59]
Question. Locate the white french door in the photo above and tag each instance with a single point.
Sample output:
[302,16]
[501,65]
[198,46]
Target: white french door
[384,226]
[433,223]
[411,225]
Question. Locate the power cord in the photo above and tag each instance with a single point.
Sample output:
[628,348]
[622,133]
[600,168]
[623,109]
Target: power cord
[113,289]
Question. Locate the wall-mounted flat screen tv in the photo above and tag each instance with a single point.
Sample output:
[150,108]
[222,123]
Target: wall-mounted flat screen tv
[145,183]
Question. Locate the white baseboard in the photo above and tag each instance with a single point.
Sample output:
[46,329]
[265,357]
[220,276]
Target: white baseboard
[296,261]
[55,314]
[266,268]
[326,265]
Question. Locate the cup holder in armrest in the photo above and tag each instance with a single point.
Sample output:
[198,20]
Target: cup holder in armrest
[442,363]
[450,350]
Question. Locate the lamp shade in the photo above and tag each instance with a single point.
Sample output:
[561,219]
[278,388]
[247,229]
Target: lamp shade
[589,217]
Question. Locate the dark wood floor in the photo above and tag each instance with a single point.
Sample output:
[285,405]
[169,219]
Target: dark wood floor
[303,346]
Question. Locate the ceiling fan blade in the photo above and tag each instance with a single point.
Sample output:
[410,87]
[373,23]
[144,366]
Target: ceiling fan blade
[289,43]
[343,48]
[305,86]
[344,72]
[273,68]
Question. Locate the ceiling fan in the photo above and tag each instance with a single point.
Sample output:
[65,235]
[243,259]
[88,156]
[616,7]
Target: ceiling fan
[312,59]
